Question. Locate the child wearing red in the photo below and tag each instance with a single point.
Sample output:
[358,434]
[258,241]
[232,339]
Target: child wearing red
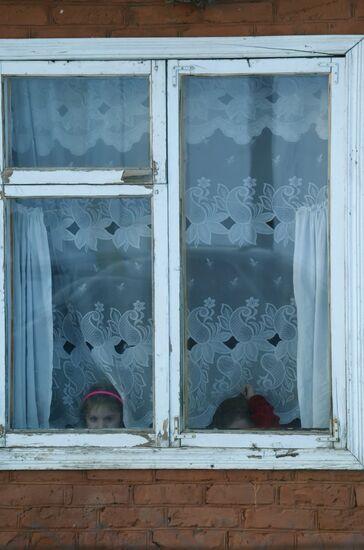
[245,411]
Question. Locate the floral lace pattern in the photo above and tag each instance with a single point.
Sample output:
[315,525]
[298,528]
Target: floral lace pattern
[255,154]
[229,344]
[247,214]
[251,344]
[86,222]
[102,302]
[91,348]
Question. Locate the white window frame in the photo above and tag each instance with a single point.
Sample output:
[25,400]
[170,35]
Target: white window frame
[165,448]
[58,183]
[337,139]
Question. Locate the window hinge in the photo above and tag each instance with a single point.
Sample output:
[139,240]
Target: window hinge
[335,425]
[177,436]
[178,68]
[334,70]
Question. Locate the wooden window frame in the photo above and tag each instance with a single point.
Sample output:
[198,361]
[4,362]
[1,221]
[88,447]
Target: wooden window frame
[168,447]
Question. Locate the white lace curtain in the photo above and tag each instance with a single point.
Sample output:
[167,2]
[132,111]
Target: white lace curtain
[79,121]
[241,108]
[255,154]
[310,273]
[82,307]
[32,323]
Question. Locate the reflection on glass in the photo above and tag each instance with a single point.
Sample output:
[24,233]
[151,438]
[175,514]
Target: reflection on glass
[78,122]
[255,160]
[80,330]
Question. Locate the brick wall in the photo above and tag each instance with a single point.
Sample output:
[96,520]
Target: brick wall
[181,510]
[80,18]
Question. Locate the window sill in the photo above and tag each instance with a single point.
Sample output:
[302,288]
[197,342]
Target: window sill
[182,458]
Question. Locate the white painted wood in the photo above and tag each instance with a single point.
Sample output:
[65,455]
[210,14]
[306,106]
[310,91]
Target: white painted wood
[79,458]
[337,216]
[74,68]
[93,190]
[161,315]
[355,252]
[3,106]
[72,439]
[257,440]
[247,67]
[2,329]
[175,217]
[174,48]
[72,176]
[158,121]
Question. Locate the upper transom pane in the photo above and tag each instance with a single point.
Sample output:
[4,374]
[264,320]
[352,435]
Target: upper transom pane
[78,122]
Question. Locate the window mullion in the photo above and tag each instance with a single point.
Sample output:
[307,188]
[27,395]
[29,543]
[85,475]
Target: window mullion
[337,190]
[2,292]
[161,311]
[2,330]
[176,304]
[158,126]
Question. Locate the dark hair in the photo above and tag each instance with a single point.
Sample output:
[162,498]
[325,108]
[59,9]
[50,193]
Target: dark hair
[230,410]
[101,399]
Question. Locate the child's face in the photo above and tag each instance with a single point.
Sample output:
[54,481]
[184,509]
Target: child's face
[103,416]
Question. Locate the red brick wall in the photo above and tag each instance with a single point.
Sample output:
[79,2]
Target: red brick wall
[79,18]
[182,510]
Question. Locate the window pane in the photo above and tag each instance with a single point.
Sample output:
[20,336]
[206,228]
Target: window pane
[78,122]
[255,157]
[80,310]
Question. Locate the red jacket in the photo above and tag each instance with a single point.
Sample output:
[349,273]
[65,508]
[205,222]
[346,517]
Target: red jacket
[261,412]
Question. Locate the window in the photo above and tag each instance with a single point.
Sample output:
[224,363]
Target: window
[174,235]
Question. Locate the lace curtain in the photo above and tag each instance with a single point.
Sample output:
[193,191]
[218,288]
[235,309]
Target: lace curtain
[255,154]
[77,121]
[99,286]
[31,320]
[310,271]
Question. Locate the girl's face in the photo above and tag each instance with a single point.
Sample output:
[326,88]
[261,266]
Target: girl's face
[102,415]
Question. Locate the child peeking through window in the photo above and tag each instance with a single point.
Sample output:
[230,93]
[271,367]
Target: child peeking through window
[102,408]
[245,411]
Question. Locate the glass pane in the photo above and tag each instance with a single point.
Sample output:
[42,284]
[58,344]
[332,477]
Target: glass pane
[255,157]
[78,122]
[80,313]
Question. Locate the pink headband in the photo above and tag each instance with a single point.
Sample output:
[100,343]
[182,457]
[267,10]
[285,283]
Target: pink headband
[103,392]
